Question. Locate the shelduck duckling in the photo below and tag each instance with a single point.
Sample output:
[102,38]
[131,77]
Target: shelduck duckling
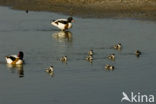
[137,53]
[63,24]
[109,67]
[15,59]
[111,57]
[90,53]
[89,58]
[50,69]
[117,46]
[63,59]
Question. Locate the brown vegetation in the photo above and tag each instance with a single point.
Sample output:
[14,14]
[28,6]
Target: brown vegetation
[90,8]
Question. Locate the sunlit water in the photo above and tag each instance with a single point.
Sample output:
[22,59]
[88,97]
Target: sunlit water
[77,81]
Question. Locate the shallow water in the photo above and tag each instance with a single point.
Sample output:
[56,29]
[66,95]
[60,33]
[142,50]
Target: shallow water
[77,81]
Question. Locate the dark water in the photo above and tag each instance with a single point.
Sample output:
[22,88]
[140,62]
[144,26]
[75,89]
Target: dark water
[78,81]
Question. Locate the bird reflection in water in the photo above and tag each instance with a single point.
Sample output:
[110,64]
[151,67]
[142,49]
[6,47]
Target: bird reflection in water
[62,36]
[19,69]
[51,74]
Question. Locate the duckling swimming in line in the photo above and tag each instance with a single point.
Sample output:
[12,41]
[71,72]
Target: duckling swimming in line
[90,53]
[117,46]
[89,58]
[63,59]
[109,67]
[137,53]
[111,57]
[50,69]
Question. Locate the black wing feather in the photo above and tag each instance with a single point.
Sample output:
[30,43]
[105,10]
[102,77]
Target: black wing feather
[63,22]
[12,58]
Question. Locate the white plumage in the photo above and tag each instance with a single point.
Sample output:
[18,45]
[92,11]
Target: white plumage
[15,59]
[63,24]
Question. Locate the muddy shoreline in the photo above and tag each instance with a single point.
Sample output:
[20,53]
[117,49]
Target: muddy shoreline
[138,9]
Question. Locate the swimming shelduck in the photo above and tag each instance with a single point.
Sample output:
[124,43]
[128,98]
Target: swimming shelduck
[117,46]
[111,57]
[63,24]
[109,67]
[50,69]
[137,53]
[15,59]
[89,58]
[63,59]
[90,53]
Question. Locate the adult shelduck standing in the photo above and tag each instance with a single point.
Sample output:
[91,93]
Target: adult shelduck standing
[63,24]
[15,59]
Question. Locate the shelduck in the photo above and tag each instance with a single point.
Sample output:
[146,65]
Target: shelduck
[117,46]
[109,67]
[137,53]
[50,69]
[111,57]
[63,59]
[90,53]
[89,58]
[15,59]
[63,24]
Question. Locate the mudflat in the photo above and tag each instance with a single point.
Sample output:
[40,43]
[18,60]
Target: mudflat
[142,9]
